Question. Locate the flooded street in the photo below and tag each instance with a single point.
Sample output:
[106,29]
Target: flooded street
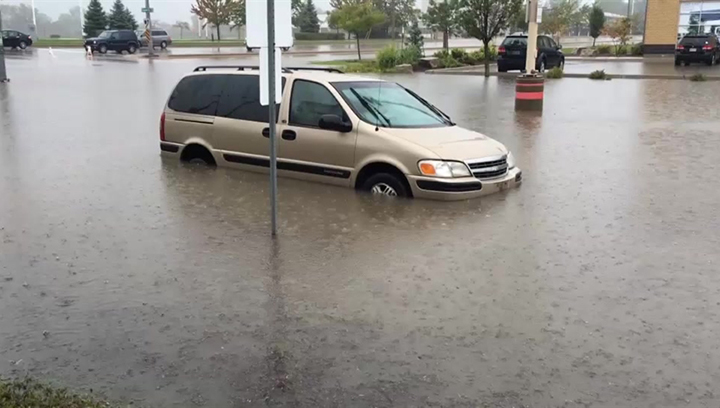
[155,282]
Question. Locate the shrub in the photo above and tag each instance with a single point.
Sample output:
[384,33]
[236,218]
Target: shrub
[621,50]
[449,62]
[637,49]
[441,54]
[409,55]
[55,36]
[387,57]
[459,54]
[599,74]
[319,36]
[604,49]
[493,52]
[555,73]
[475,57]
[698,78]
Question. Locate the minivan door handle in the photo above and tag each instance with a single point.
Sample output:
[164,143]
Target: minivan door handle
[266,132]
[289,135]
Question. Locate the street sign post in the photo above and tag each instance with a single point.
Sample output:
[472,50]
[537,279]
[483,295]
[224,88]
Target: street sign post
[532,15]
[148,27]
[269,28]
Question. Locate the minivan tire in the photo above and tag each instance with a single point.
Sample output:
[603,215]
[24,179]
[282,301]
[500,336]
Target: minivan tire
[163,45]
[386,184]
[23,45]
[712,60]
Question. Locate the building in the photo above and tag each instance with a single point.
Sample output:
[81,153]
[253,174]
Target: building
[666,21]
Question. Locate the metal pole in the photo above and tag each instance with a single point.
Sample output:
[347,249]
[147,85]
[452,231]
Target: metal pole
[32,3]
[532,36]
[151,45]
[3,73]
[271,114]
[82,18]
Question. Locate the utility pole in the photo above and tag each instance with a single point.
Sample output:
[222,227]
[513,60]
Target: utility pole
[148,29]
[532,13]
[3,73]
[271,114]
[35,29]
[82,18]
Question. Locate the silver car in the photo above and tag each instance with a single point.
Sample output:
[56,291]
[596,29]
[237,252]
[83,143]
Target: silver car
[160,38]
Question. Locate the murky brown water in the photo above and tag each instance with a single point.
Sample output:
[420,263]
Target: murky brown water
[594,284]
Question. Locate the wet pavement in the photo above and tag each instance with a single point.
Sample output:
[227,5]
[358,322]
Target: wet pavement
[592,285]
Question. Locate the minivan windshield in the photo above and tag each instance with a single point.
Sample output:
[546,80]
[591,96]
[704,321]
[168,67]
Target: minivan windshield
[105,34]
[390,105]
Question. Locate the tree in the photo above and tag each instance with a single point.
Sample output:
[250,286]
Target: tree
[596,20]
[215,12]
[399,12]
[237,15]
[130,23]
[416,38]
[558,19]
[182,25]
[307,19]
[95,19]
[358,19]
[620,31]
[443,17]
[116,17]
[484,19]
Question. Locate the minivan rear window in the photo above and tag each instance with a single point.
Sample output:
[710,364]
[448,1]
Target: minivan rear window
[515,42]
[696,40]
[197,94]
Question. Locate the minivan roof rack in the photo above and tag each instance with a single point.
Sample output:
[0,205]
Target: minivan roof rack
[335,70]
[286,70]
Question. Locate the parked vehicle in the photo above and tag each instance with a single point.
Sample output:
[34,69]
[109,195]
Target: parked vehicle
[160,39]
[513,51]
[697,48]
[333,128]
[15,39]
[114,40]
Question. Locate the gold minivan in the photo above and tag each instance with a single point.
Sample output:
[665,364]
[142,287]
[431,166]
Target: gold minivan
[333,128]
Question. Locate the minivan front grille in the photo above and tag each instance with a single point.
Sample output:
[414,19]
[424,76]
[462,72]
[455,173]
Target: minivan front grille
[488,168]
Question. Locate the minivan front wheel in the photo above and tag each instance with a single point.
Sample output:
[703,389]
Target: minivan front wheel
[384,184]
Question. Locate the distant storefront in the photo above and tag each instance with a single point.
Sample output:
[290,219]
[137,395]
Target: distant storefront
[667,21]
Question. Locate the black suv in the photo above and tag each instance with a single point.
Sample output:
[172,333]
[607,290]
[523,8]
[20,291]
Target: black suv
[697,48]
[512,52]
[114,40]
[16,39]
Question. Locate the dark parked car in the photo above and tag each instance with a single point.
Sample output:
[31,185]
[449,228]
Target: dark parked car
[512,52]
[114,40]
[697,48]
[16,39]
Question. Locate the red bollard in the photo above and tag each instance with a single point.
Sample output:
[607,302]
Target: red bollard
[529,90]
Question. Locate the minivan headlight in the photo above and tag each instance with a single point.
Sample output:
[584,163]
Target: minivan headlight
[510,161]
[446,169]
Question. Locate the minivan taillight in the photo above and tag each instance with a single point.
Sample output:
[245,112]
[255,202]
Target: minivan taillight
[680,47]
[707,47]
[501,50]
[162,126]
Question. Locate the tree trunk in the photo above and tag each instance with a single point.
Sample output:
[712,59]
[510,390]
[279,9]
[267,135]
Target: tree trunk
[357,38]
[594,38]
[181,30]
[446,39]
[218,31]
[486,45]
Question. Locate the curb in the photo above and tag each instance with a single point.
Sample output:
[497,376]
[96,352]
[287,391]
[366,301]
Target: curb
[450,71]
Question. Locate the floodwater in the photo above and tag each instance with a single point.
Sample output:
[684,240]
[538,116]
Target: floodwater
[154,282]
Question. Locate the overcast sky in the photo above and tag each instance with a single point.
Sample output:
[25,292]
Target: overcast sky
[165,10]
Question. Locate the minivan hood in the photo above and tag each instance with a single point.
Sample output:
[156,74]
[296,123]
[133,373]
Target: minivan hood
[452,142]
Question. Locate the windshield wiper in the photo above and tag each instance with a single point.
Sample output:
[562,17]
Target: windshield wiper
[447,118]
[375,111]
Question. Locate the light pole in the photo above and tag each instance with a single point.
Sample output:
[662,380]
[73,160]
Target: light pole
[3,73]
[148,28]
[532,36]
[82,18]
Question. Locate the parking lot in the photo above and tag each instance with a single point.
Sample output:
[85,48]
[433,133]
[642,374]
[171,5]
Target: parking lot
[593,284]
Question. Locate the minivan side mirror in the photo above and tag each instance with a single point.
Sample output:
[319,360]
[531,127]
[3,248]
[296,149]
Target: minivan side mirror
[334,122]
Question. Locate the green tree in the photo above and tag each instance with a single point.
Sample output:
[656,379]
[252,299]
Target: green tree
[182,25]
[130,23]
[116,17]
[215,12]
[95,19]
[484,19]
[443,16]
[416,38]
[596,21]
[558,19]
[620,31]
[237,14]
[307,19]
[399,13]
[357,19]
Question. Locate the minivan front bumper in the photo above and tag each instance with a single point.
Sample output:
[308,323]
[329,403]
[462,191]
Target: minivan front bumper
[462,188]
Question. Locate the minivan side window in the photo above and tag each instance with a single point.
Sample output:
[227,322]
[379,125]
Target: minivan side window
[197,94]
[241,99]
[159,32]
[309,102]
